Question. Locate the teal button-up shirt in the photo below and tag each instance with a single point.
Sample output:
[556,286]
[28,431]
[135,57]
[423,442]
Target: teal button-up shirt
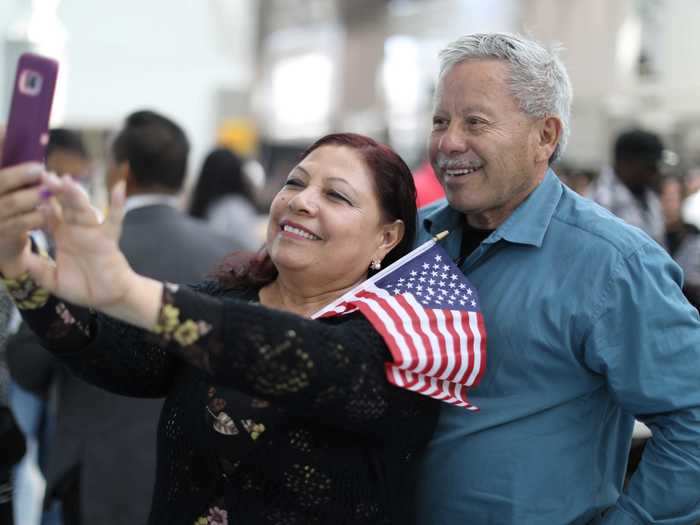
[587,328]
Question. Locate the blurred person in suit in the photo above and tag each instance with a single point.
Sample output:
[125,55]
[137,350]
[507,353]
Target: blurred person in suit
[223,197]
[101,463]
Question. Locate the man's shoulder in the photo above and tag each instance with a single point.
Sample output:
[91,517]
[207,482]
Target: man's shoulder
[164,226]
[579,219]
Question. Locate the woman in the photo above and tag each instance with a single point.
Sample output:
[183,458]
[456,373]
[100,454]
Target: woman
[222,196]
[269,417]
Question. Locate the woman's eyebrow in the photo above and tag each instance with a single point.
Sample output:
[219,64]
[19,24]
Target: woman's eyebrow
[342,181]
[299,168]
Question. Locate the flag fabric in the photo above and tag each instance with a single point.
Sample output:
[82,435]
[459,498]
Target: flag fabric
[429,315]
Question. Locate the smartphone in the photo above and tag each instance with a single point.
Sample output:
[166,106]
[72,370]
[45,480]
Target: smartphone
[27,129]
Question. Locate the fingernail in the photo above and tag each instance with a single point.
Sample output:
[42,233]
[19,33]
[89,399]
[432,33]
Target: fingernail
[45,194]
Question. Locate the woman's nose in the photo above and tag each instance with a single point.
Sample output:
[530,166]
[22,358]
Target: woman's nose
[305,201]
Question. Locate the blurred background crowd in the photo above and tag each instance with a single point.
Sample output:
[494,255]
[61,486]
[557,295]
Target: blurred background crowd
[253,82]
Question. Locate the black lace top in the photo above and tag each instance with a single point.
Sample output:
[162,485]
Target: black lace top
[268,419]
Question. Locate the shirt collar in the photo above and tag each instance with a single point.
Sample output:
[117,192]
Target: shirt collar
[150,199]
[526,225]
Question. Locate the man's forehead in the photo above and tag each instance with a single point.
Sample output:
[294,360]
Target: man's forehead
[492,74]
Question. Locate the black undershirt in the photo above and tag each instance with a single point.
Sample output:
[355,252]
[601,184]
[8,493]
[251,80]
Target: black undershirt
[471,239]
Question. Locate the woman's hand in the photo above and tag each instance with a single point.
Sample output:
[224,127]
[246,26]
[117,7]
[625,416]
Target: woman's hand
[22,191]
[89,269]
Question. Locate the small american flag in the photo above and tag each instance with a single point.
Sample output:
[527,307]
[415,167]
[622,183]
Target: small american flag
[429,316]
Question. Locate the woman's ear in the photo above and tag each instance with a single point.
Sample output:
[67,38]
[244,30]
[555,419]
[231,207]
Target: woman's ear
[391,235]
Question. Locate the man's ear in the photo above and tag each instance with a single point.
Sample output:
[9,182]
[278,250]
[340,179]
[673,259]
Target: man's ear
[119,171]
[549,134]
[124,173]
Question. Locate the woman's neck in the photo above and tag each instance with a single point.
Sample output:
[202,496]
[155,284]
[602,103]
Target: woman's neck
[282,295]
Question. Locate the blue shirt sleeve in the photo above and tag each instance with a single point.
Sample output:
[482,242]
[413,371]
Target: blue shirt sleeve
[645,340]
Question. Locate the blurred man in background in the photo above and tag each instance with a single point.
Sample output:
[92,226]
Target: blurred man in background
[31,396]
[630,188]
[66,153]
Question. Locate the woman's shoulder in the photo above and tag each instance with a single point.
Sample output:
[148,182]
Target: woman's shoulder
[216,288]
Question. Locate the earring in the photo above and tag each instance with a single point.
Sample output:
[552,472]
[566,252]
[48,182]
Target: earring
[375,265]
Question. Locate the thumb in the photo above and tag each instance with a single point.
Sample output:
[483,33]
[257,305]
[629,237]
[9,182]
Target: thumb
[43,271]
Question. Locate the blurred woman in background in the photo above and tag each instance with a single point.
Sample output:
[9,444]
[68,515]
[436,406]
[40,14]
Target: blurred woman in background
[224,198]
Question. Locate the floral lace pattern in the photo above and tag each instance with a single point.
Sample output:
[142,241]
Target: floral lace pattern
[170,327]
[224,424]
[25,292]
[215,516]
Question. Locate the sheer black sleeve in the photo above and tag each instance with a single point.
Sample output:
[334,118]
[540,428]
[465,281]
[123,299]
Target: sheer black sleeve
[102,351]
[333,369]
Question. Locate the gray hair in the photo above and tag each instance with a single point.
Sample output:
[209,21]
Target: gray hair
[538,79]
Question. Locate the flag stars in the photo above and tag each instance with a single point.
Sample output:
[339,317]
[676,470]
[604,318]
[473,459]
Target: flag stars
[473,303]
[469,291]
[426,266]
[438,258]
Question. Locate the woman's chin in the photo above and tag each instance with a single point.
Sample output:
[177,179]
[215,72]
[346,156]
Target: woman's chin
[286,262]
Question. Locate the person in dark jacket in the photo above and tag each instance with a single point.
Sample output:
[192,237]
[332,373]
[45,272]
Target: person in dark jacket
[12,442]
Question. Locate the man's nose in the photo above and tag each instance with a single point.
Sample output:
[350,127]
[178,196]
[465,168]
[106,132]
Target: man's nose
[453,140]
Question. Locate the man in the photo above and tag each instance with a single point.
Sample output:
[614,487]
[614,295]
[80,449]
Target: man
[102,461]
[629,189]
[587,324]
[66,153]
[31,394]
[12,441]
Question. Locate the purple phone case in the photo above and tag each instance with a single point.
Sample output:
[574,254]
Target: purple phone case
[28,124]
